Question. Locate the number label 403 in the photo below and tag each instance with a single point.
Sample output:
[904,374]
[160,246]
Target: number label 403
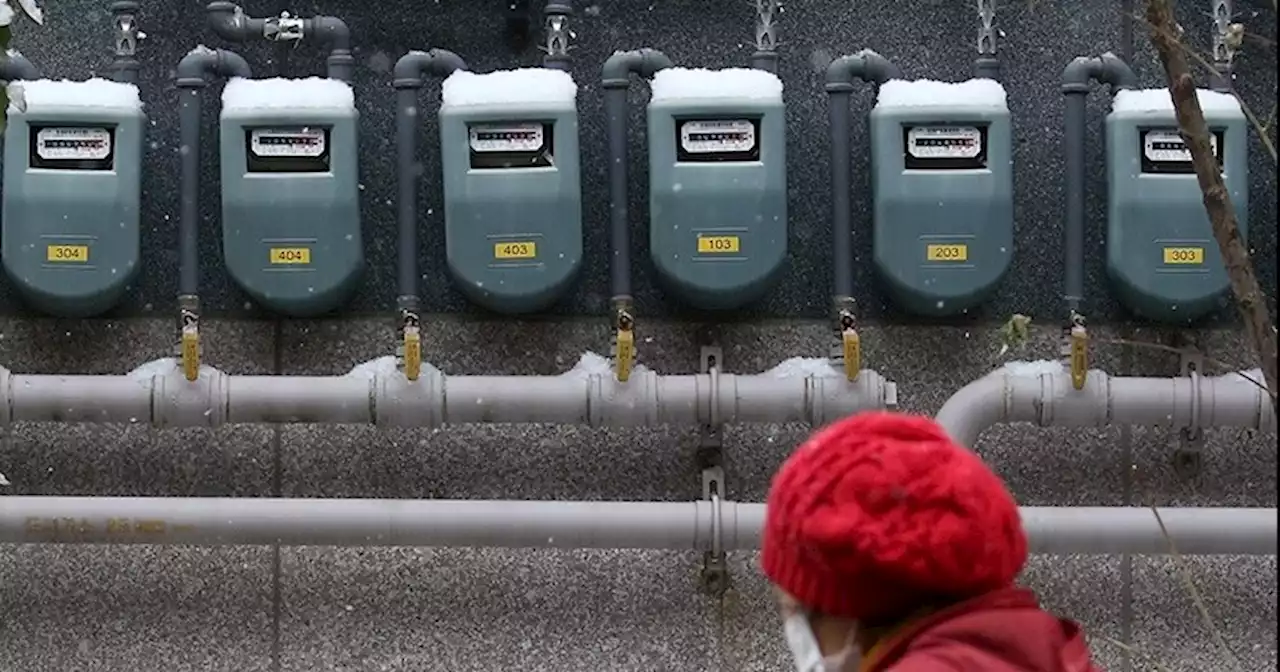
[515,250]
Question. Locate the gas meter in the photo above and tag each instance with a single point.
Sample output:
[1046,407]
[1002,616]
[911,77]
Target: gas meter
[72,189]
[942,191]
[512,192]
[717,184]
[290,192]
[1161,254]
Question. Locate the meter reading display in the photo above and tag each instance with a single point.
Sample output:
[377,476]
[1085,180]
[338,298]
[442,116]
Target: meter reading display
[1163,151]
[71,148]
[301,149]
[710,140]
[519,144]
[945,147]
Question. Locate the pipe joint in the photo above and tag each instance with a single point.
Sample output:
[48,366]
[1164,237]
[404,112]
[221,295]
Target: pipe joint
[178,402]
[865,65]
[202,62]
[399,402]
[412,70]
[644,63]
[1105,69]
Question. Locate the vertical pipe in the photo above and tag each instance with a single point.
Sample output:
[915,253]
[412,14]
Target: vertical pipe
[407,119]
[1223,49]
[615,110]
[841,176]
[765,57]
[189,190]
[987,66]
[1073,139]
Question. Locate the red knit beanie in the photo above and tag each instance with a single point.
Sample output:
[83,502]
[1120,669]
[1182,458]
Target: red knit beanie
[881,514]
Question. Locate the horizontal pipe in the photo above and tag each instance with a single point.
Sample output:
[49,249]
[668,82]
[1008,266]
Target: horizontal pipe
[552,524]
[1049,400]
[160,395]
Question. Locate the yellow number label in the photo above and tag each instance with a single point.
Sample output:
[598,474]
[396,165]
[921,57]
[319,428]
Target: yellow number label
[719,244]
[521,250]
[68,253]
[290,255]
[1184,255]
[946,253]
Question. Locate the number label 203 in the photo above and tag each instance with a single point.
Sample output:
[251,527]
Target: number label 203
[946,253]
[515,250]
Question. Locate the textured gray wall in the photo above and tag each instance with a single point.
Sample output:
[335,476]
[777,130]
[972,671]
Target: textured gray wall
[246,609]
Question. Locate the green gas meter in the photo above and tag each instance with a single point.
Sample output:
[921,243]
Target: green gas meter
[512,186]
[942,191]
[1162,257]
[72,189]
[717,184]
[290,192]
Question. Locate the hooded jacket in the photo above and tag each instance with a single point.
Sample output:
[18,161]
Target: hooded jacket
[1002,631]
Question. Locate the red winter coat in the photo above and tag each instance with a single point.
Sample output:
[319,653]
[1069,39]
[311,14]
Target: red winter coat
[1004,631]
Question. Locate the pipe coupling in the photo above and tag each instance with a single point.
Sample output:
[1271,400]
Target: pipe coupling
[178,402]
[399,402]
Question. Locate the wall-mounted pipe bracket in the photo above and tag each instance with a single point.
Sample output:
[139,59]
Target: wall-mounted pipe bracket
[1188,456]
[710,458]
[715,567]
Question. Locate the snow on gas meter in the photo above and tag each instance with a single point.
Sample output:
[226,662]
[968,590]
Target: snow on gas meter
[72,188]
[717,184]
[942,190]
[512,193]
[1161,254]
[290,192]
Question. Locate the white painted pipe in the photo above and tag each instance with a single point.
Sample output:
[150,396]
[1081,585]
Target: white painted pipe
[1045,396]
[160,395]
[552,524]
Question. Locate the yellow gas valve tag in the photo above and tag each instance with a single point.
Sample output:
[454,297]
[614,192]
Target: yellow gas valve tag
[191,353]
[412,353]
[624,353]
[1079,357]
[851,351]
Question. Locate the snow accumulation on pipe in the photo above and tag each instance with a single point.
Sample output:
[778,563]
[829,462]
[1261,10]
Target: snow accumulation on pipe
[552,524]
[1041,393]
[157,393]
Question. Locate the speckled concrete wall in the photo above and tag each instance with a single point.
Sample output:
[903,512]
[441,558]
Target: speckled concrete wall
[142,609]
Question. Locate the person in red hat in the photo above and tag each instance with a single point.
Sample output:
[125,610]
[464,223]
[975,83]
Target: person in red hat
[893,549]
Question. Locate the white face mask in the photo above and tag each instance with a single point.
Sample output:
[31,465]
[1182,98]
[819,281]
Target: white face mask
[804,647]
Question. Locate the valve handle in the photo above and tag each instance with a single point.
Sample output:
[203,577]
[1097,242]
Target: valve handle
[191,352]
[851,353]
[624,353]
[1079,356]
[412,352]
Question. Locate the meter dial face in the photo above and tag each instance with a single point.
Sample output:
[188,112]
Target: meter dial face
[287,142]
[725,136]
[73,144]
[944,142]
[506,138]
[1166,146]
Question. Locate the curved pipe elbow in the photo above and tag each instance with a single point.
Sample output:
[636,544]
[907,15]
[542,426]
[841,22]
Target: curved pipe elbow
[412,69]
[199,63]
[227,21]
[332,32]
[865,65]
[645,63]
[1105,69]
[15,67]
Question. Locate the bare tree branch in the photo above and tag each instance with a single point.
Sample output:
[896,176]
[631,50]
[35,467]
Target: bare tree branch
[1250,301]
[1172,34]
